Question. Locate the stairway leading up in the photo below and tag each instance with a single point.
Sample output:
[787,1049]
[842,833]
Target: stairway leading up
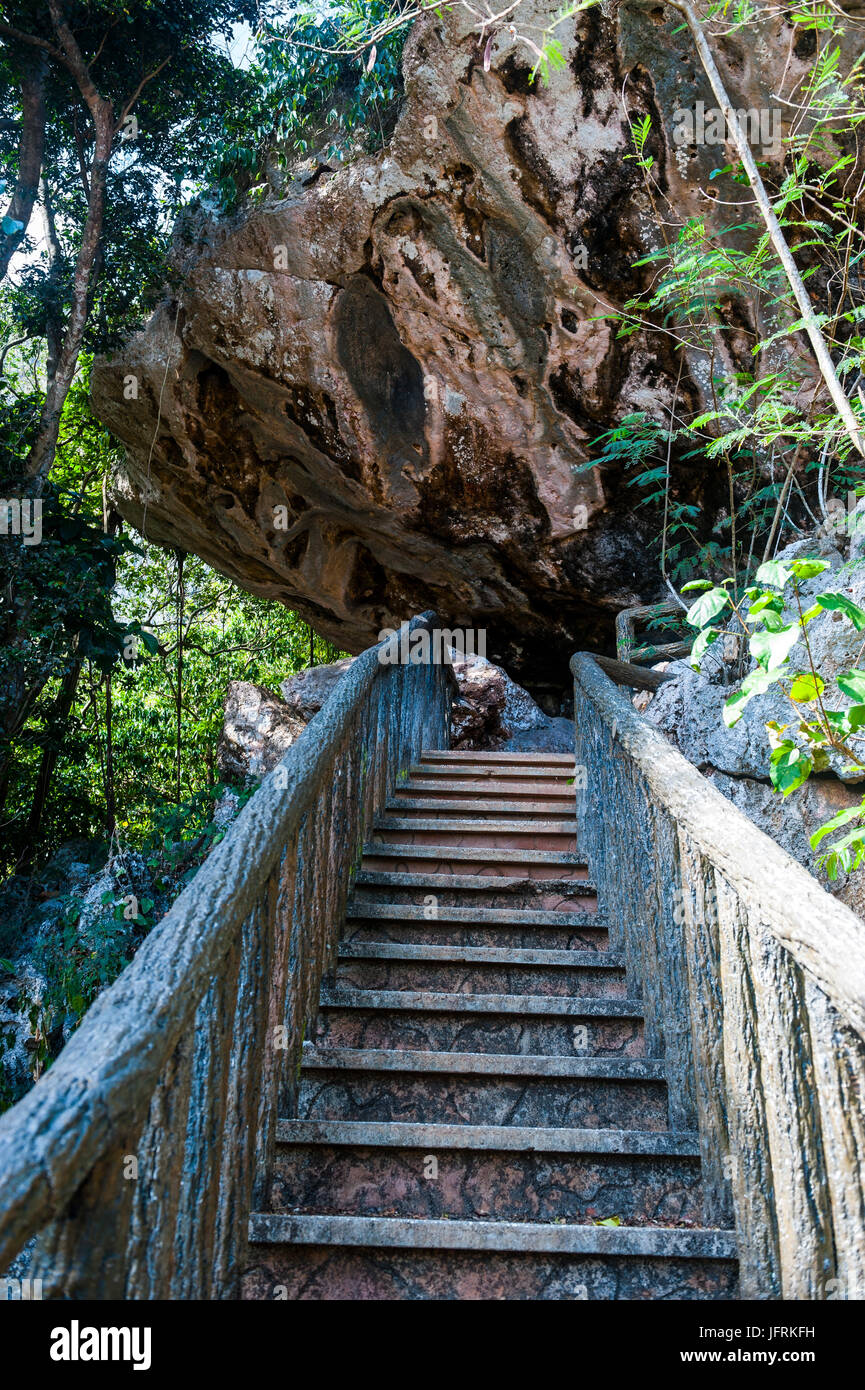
[478,1117]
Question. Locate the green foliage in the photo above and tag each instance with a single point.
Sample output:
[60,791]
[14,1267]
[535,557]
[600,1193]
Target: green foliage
[306,99]
[815,730]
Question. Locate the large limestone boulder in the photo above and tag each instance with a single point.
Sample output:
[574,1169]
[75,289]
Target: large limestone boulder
[258,729]
[369,395]
[305,692]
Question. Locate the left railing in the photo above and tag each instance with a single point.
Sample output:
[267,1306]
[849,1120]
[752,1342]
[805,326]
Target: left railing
[138,1156]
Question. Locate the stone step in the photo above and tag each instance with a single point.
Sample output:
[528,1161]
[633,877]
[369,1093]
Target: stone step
[707,1243]
[472,981]
[334,1168]
[400,923]
[523,1005]
[540,810]
[478,890]
[413,1028]
[480,955]
[482,916]
[502,772]
[488,833]
[291,1271]
[429,1138]
[489,825]
[559,858]
[514,789]
[479,1088]
[542,864]
[458,756]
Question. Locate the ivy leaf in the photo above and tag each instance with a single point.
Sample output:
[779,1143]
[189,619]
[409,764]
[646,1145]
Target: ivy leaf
[806,688]
[852,683]
[707,607]
[840,603]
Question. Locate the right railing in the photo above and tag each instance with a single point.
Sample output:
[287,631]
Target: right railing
[753,979]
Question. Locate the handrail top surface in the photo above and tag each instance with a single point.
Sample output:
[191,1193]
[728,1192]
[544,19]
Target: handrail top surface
[822,934]
[93,1092]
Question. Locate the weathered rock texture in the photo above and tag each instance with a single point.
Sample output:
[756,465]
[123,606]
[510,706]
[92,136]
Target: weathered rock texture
[257,731]
[405,355]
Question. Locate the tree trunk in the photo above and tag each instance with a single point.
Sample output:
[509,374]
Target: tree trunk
[50,754]
[30,150]
[110,800]
[41,455]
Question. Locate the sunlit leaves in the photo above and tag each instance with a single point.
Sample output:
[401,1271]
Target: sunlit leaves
[789,767]
[806,687]
[840,603]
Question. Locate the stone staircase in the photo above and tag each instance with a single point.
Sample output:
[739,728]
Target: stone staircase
[477,1097]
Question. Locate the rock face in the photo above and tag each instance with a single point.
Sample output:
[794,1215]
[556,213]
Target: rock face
[494,713]
[33,918]
[257,731]
[306,692]
[370,395]
[689,711]
[490,712]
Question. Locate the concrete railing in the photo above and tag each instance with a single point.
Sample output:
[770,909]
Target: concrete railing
[753,979]
[140,1153]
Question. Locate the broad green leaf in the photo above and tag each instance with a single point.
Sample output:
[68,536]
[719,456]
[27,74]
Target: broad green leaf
[855,718]
[806,688]
[707,607]
[852,683]
[756,683]
[772,601]
[842,818]
[789,767]
[703,640]
[771,649]
[774,574]
[806,569]
[697,584]
[840,603]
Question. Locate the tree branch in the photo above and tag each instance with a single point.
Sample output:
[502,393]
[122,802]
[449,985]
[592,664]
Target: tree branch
[31,146]
[791,270]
